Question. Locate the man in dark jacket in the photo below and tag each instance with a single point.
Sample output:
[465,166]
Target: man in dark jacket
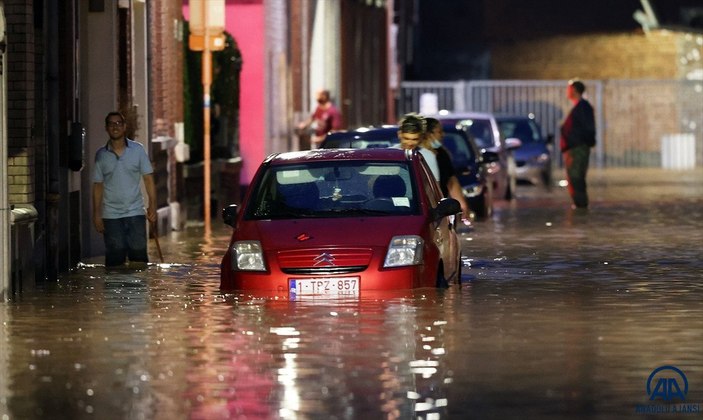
[578,135]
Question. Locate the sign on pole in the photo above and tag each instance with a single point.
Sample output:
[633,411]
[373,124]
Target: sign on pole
[215,42]
[207,15]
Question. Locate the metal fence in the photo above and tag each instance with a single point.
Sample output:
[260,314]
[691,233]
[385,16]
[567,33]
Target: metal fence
[640,123]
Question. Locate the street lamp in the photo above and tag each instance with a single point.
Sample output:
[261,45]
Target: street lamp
[207,22]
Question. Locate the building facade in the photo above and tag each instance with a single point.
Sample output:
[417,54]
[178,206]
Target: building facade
[65,65]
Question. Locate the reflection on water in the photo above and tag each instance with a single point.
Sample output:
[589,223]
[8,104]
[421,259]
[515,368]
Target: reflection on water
[560,314]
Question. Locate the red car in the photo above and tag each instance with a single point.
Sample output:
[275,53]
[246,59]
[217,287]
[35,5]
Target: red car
[341,222]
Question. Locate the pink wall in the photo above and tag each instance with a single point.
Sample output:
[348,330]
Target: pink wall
[246,24]
[245,21]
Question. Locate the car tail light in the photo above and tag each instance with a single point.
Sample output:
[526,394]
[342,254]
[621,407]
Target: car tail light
[404,250]
[247,255]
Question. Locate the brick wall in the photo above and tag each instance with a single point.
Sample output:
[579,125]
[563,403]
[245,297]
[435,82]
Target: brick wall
[690,59]
[644,97]
[21,104]
[166,89]
[596,56]
[20,176]
[638,114]
[166,66]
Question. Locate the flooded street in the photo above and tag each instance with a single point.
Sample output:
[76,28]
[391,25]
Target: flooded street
[560,314]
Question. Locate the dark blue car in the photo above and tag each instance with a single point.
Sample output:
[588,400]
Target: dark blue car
[533,159]
[469,163]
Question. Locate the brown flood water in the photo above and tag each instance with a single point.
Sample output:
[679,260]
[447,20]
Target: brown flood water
[560,314]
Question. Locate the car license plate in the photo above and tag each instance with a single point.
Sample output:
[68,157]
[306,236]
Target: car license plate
[325,286]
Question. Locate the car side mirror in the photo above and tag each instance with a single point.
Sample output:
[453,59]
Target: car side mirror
[446,207]
[512,143]
[229,214]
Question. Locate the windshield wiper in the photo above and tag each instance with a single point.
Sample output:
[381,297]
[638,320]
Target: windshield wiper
[288,212]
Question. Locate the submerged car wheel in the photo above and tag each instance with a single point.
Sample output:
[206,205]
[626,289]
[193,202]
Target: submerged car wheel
[547,179]
[511,187]
[482,205]
[442,282]
[458,269]
[478,205]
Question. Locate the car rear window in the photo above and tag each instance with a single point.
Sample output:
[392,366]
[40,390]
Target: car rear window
[459,149]
[525,130]
[480,130]
[352,143]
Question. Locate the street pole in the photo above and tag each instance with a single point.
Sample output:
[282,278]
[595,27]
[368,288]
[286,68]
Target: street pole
[5,209]
[207,81]
[207,22]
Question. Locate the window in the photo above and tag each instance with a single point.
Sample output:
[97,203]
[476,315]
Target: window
[333,189]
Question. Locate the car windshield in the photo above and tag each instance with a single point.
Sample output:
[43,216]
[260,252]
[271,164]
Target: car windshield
[334,189]
[525,130]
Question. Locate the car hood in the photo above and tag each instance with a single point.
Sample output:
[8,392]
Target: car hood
[529,150]
[328,232]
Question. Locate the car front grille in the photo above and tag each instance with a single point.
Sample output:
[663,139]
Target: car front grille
[324,271]
[324,260]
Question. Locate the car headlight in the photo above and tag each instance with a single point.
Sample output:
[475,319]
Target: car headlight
[247,255]
[404,250]
[472,191]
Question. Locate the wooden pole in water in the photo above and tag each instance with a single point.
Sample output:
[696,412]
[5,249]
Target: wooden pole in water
[156,239]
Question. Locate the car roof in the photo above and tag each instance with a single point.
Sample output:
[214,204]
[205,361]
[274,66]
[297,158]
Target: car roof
[318,155]
[366,133]
[462,115]
[387,134]
[376,133]
[513,117]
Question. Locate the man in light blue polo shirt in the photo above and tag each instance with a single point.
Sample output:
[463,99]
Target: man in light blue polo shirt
[118,204]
